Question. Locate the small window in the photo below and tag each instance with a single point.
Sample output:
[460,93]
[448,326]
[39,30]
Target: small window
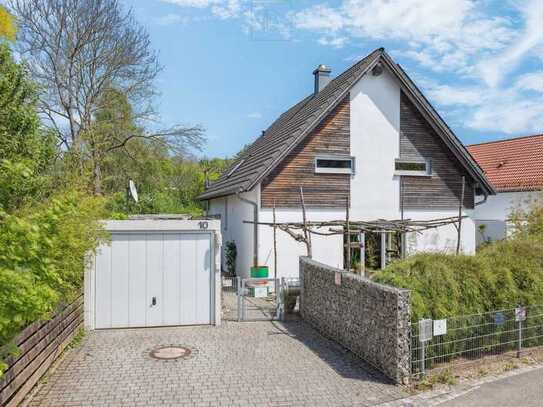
[413,168]
[334,165]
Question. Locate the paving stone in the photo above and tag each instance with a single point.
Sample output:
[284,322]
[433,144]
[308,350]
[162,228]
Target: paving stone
[243,364]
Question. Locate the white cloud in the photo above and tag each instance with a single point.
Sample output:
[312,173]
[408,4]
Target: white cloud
[509,115]
[193,3]
[469,49]
[495,68]
[446,95]
[221,8]
[531,81]
[320,18]
[170,19]
[443,35]
[336,42]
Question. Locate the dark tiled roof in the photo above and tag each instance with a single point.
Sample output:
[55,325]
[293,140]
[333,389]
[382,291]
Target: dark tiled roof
[513,164]
[285,133]
[293,125]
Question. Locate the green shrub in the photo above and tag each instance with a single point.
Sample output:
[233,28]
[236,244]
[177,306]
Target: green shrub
[499,276]
[42,254]
[231,253]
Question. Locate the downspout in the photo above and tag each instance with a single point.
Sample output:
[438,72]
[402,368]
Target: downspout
[255,225]
[485,197]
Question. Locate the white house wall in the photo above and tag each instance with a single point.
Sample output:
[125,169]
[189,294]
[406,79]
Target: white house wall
[326,249]
[375,144]
[233,211]
[443,239]
[375,190]
[494,213]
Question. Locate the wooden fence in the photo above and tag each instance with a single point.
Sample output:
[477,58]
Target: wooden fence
[39,344]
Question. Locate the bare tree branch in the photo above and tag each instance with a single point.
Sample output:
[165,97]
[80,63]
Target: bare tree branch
[76,49]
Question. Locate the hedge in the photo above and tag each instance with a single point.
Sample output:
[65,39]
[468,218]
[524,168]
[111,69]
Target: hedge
[499,276]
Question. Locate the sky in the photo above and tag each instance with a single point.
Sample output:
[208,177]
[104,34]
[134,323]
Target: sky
[233,66]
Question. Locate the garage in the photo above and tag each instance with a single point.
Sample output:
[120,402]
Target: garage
[155,272]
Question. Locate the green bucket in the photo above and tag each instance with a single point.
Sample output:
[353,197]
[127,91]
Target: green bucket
[259,272]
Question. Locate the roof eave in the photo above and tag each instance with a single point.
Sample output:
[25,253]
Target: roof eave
[313,125]
[206,196]
[439,125]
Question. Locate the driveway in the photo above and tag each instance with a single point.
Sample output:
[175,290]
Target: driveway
[237,364]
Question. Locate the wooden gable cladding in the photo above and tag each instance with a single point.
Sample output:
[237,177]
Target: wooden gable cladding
[418,141]
[330,137]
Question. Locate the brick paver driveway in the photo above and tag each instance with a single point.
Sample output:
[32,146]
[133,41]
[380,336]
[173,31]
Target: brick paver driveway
[239,364]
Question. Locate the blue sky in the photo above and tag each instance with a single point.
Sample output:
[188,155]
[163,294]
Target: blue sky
[235,65]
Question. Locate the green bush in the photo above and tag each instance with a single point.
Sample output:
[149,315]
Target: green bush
[42,254]
[499,276]
[231,251]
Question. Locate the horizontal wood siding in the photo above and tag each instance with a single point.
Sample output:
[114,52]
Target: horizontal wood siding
[418,141]
[332,136]
[39,344]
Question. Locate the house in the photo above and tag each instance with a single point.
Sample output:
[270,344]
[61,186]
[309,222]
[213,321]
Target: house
[368,135]
[515,169]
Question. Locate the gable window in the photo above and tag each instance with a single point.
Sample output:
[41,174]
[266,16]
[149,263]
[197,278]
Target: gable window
[413,168]
[334,165]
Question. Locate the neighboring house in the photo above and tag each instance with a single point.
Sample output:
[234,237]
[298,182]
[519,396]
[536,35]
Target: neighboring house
[368,135]
[515,169]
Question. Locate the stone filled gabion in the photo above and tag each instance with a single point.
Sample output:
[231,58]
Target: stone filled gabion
[372,320]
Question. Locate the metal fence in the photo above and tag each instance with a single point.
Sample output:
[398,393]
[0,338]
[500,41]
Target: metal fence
[254,299]
[439,344]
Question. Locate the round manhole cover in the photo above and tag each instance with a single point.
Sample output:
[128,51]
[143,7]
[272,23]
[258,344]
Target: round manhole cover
[170,352]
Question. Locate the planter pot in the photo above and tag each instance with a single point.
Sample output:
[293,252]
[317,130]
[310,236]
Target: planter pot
[259,272]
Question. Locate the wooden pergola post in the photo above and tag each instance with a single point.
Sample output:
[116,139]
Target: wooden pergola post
[460,206]
[307,234]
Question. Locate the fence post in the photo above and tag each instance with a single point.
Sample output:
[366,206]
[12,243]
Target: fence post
[519,338]
[243,305]
[238,283]
[423,358]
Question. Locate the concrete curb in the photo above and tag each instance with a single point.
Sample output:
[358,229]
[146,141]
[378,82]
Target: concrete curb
[437,397]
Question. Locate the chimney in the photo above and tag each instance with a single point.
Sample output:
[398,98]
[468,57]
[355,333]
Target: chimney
[322,77]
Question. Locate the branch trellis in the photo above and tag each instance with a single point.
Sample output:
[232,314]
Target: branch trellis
[302,231]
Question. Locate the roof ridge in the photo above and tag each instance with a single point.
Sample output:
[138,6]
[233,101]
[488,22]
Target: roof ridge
[504,140]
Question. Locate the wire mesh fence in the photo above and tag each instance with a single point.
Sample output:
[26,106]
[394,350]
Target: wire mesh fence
[440,344]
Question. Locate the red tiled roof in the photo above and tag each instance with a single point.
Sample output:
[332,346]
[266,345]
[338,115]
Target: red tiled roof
[513,164]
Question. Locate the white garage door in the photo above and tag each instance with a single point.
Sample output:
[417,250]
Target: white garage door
[153,279]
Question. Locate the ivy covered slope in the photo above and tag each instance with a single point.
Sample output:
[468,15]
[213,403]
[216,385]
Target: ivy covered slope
[45,230]
[499,276]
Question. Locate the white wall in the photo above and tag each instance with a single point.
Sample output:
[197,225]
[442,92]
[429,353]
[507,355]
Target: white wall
[233,212]
[326,249]
[443,239]
[375,144]
[500,206]
[375,190]
[495,212]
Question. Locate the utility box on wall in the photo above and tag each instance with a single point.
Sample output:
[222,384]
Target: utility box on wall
[155,272]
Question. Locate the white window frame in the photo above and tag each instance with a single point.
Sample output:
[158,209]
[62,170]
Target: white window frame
[414,173]
[324,170]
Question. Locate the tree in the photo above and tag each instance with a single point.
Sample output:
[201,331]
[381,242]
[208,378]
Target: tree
[7,25]
[89,55]
[26,150]
[115,129]
[78,48]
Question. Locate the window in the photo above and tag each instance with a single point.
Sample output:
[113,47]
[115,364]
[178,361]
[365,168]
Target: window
[334,165]
[413,168]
